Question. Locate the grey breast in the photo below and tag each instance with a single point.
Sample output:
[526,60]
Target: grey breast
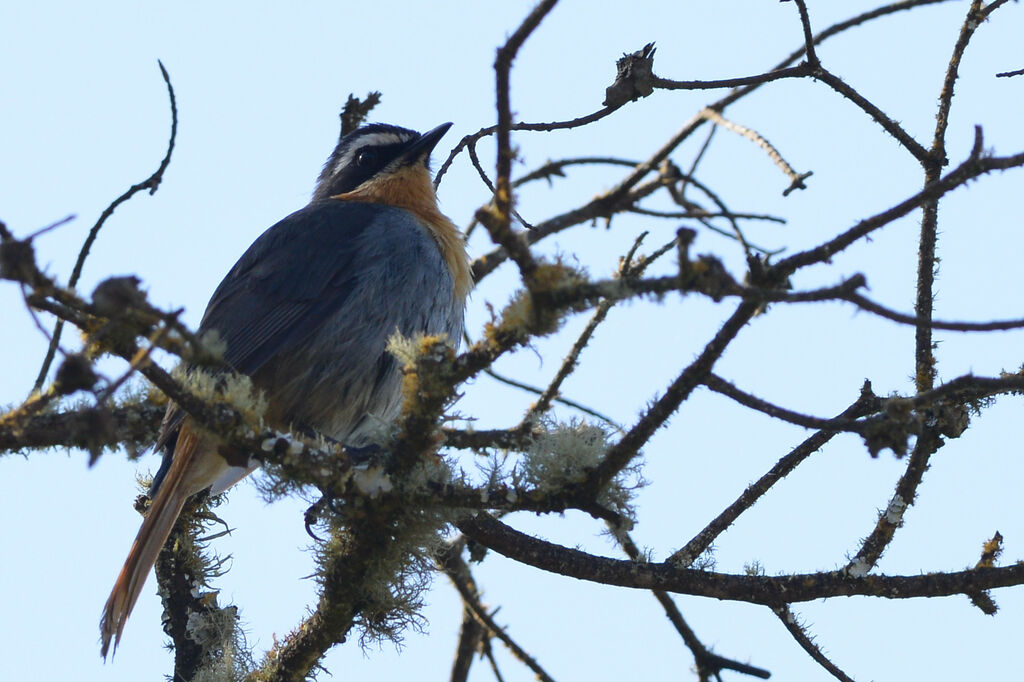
[342,381]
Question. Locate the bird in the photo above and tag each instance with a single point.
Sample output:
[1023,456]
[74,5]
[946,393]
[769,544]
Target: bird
[306,312]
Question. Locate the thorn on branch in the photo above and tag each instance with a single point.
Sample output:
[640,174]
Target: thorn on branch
[634,78]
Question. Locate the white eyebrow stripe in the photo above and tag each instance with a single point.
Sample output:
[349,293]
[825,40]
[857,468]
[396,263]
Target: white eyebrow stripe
[376,139]
[380,139]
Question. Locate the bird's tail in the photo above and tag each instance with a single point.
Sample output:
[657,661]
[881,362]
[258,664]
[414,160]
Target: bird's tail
[156,527]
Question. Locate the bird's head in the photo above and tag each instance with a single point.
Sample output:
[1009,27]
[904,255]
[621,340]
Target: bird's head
[381,163]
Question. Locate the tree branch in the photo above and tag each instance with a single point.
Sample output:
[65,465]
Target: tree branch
[764,590]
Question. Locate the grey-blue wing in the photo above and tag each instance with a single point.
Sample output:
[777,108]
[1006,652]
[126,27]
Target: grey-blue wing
[294,272]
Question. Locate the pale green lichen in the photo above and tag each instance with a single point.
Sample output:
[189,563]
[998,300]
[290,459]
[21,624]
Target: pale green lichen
[212,346]
[225,655]
[224,643]
[236,390]
[562,454]
[405,348]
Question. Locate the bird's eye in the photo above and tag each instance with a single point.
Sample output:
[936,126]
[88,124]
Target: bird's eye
[366,158]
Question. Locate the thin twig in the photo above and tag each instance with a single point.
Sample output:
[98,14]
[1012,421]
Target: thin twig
[697,214]
[553,168]
[489,653]
[708,663]
[796,180]
[499,223]
[559,399]
[458,572]
[151,183]
[805,23]
[866,403]
[870,306]
[720,385]
[891,126]
[475,159]
[974,166]
[678,196]
[627,269]
[535,127]
[622,452]
[141,357]
[802,637]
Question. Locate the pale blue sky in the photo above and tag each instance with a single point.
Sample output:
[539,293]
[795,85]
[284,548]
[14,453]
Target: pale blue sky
[259,85]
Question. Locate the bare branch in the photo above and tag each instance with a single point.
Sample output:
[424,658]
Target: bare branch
[879,116]
[720,385]
[929,441]
[754,589]
[800,71]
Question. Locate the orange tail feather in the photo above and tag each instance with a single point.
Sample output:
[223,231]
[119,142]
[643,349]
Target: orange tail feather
[176,488]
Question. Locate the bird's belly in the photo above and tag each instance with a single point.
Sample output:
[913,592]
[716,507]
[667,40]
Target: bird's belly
[328,390]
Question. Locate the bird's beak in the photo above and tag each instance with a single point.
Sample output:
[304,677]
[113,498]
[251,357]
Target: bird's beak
[421,147]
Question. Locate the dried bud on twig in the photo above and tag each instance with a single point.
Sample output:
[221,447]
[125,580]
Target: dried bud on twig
[635,77]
